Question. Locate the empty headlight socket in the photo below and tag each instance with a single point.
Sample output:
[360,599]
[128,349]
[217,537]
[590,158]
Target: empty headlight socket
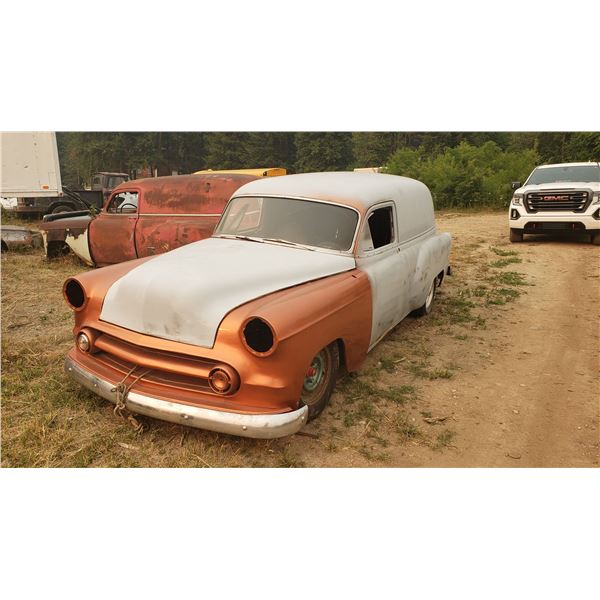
[258,336]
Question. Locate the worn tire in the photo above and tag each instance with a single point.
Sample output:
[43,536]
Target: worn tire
[317,388]
[516,235]
[426,308]
[595,239]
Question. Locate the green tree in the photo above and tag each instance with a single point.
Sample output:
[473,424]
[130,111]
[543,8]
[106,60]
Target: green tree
[328,151]
[372,148]
[583,146]
[270,149]
[226,150]
[465,175]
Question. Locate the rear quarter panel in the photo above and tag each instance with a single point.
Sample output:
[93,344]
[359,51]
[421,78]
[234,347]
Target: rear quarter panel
[433,258]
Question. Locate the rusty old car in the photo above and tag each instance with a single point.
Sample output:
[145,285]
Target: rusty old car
[17,238]
[245,332]
[143,217]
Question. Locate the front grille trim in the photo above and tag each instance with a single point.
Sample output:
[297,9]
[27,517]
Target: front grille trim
[186,380]
[575,201]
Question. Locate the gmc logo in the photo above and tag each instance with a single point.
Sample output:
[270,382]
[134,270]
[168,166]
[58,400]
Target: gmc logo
[555,198]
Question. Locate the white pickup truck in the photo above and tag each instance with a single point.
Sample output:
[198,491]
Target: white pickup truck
[557,197]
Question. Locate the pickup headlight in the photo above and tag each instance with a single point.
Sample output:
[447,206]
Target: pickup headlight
[516,199]
[596,198]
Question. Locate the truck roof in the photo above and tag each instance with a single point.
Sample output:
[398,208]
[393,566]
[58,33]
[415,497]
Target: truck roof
[181,181]
[572,164]
[358,189]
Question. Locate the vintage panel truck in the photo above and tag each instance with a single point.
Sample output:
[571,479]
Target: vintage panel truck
[244,332]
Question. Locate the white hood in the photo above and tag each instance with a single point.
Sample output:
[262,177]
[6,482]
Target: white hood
[184,295]
[561,185]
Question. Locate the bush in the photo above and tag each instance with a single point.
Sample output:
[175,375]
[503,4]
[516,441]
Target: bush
[465,176]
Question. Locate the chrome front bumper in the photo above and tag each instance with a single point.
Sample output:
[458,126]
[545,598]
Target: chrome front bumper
[253,426]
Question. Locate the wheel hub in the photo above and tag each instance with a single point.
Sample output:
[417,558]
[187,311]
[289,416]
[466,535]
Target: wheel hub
[314,374]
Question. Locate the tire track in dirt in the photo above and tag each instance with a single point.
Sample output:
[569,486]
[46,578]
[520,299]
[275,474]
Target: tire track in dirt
[538,401]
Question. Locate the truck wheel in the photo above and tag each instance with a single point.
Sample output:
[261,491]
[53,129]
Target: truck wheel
[426,308]
[516,235]
[319,380]
[596,239]
[61,208]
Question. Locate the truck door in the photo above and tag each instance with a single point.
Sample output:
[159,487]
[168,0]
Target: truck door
[378,256]
[112,232]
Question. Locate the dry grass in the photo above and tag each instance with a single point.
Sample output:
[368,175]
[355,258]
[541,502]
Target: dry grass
[48,421]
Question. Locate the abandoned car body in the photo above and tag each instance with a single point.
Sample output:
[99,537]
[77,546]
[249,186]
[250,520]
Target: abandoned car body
[144,217]
[244,332]
[15,237]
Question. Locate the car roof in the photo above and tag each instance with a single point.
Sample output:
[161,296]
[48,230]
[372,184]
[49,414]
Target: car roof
[358,189]
[182,180]
[573,164]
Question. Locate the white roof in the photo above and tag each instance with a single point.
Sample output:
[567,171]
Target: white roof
[363,189]
[573,164]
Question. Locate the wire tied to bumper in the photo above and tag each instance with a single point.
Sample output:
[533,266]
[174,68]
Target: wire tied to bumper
[121,390]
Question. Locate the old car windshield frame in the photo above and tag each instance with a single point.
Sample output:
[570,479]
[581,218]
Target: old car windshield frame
[574,174]
[280,240]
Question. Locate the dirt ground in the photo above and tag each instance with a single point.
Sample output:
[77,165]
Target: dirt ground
[504,372]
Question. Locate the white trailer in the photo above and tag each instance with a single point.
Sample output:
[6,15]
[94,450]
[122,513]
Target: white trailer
[30,167]
[31,172]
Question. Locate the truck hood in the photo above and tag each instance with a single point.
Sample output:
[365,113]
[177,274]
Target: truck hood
[77,223]
[561,185]
[184,295]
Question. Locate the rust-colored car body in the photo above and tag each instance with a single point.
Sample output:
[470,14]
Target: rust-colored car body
[171,212]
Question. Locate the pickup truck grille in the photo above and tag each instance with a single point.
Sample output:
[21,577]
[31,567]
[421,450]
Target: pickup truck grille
[571,201]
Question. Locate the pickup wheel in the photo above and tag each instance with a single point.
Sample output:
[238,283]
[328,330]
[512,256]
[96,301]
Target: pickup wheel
[426,308]
[516,235]
[595,239]
[319,380]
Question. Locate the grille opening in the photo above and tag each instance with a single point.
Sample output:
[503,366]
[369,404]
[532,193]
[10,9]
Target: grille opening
[74,294]
[258,335]
[560,226]
[571,201]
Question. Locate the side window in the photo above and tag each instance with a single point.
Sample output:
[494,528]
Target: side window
[123,203]
[380,229]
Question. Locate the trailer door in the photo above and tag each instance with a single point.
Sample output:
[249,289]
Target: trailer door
[112,232]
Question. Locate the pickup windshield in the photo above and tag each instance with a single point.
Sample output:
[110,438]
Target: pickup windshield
[288,220]
[558,174]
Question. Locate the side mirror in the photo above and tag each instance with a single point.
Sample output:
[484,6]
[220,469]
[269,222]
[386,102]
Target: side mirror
[515,185]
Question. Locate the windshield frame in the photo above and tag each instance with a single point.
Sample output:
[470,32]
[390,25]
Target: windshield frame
[549,167]
[349,252]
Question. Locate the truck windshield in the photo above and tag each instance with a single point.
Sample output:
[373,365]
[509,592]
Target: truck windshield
[558,174]
[288,220]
